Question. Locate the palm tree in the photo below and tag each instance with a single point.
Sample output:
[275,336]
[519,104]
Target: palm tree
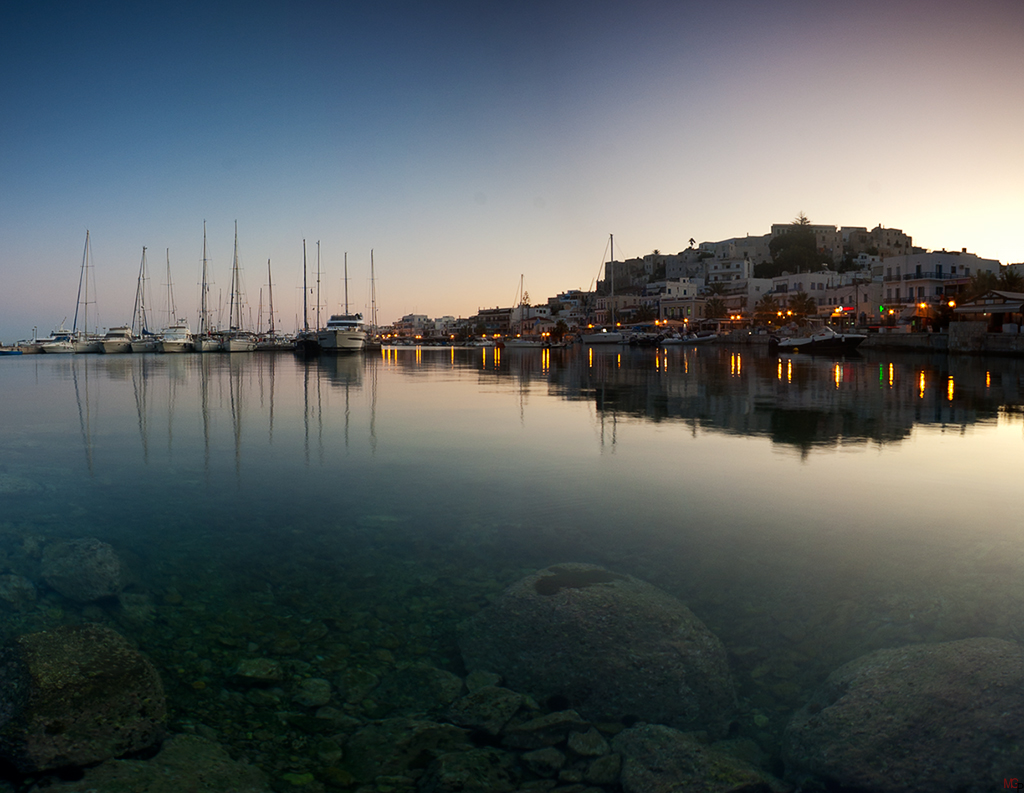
[1011,280]
[980,284]
[715,308]
[766,310]
[802,304]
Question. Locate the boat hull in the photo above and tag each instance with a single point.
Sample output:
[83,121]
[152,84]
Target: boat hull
[239,345]
[175,346]
[604,337]
[341,341]
[61,347]
[208,344]
[824,343]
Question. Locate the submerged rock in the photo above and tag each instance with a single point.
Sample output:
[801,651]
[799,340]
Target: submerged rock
[185,763]
[658,759]
[944,716]
[418,689]
[393,746]
[472,771]
[609,645]
[74,696]
[259,670]
[82,570]
[487,709]
[17,590]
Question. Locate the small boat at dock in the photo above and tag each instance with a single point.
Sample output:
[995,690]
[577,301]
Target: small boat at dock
[825,340]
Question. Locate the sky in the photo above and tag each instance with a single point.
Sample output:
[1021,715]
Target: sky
[472,144]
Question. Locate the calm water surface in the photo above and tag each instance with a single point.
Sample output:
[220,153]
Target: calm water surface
[347,513]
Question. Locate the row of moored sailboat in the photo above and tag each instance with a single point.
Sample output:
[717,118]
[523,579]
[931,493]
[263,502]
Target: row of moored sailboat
[343,333]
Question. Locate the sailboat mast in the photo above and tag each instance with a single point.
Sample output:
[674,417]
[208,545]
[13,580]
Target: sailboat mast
[204,307]
[373,295]
[234,281]
[172,310]
[305,292]
[270,296]
[82,280]
[346,282]
[139,317]
[318,284]
[611,242]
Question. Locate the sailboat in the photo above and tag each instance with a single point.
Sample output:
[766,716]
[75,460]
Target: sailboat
[373,341]
[609,334]
[83,341]
[206,340]
[143,339]
[517,342]
[305,340]
[237,339]
[177,336]
[272,340]
[344,332]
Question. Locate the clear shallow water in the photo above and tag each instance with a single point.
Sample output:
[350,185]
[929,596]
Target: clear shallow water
[346,514]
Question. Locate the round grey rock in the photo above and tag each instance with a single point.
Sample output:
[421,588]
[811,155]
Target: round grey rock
[82,570]
[77,695]
[612,646]
[946,716]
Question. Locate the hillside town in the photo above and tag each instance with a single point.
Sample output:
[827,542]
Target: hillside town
[846,276]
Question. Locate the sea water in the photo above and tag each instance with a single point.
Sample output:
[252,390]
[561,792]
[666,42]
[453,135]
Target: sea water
[345,514]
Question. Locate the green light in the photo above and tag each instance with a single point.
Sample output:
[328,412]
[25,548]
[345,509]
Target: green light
[881,309]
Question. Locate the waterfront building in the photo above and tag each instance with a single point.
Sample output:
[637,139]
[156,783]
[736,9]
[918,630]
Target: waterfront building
[931,277]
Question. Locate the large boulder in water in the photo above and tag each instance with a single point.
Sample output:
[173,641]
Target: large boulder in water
[944,716]
[612,646]
[74,696]
[82,570]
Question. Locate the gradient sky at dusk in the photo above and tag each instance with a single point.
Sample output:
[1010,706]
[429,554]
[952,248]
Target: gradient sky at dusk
[470,142]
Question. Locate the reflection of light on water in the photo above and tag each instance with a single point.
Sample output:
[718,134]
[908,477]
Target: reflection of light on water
[780,368]
[838,375]
[618,361]
[988,379]
[789,371]
[892,375]
[545,360]
[590,357]
[920,385]
[453,357]
[497,356]
[736,364]
[949,389]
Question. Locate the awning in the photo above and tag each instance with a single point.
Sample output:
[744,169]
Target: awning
[989,308]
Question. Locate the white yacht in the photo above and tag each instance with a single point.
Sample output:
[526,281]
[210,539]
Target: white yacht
[117,340]
[344,333]
[177,338]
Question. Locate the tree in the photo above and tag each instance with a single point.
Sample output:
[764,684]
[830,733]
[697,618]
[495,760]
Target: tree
[717,288]
[980,284]
[795,250]
[1011,281]
[714,308]
[802,304]
[766,310]
[559,331]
